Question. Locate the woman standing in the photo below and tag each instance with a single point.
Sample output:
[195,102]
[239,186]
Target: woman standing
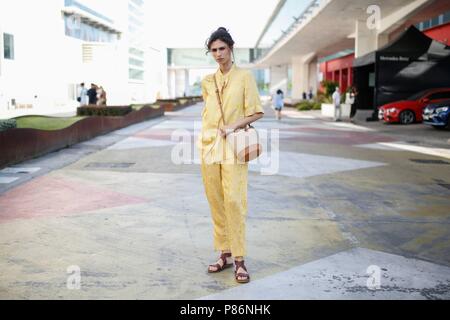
[224,179]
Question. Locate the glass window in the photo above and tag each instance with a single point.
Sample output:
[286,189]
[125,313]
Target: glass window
[435,22]
[136,52]
[80,30]
[135,11]
[447,17]
[440,95]
[372,79]
[135,74]
[138,3]
[136,62]
[135,21]
[8,46]
[132,28]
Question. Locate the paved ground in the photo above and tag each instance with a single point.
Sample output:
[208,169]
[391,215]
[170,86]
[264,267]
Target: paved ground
[336,211]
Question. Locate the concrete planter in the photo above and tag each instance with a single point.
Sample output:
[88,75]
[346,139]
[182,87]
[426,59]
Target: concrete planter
[19,144]
[328,110]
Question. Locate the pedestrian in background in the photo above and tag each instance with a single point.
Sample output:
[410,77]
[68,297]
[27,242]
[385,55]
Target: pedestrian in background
[310,94]
[92,94]
[101,95]
[337,105]
[354,103]
[304,95]
[225,178]
[278,103]
[82,95]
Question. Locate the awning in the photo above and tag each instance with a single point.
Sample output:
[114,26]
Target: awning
[412,44]
[365,60]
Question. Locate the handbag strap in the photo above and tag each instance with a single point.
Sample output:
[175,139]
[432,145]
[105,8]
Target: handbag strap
[219,100]
[220,103]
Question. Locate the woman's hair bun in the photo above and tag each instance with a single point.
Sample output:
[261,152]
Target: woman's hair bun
[220,34]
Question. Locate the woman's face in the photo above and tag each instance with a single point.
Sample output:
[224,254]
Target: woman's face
[221,52]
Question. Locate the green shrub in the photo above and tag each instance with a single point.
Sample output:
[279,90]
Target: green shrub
[330,87]
[8,124]
[305,105]
[309,105]
[103,111]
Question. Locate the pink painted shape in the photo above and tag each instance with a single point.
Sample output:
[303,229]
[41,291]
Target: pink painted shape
[51,196]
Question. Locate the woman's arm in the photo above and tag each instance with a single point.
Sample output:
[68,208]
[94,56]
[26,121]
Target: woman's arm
[242,123]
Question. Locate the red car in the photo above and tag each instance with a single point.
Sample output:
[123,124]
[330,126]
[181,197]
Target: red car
[410,110]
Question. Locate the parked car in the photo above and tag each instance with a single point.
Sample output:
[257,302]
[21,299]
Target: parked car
[410,110]
[437,115]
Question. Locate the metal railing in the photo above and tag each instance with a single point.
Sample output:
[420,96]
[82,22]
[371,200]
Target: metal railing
[297,21]
[73,3]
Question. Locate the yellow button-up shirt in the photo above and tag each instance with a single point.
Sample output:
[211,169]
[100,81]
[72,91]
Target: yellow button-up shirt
[240,99]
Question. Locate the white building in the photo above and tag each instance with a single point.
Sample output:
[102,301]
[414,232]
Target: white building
[48,47]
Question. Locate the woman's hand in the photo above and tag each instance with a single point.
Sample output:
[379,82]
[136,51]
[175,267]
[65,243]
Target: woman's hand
[226,130]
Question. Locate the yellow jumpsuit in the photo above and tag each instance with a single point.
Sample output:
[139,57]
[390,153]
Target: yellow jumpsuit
[224,178]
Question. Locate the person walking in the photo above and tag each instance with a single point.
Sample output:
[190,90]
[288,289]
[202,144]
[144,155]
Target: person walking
[310,94]
[92,94]
[337,105]
[354,103]
[101,95]
[224,178]
[278,103]
[82,95]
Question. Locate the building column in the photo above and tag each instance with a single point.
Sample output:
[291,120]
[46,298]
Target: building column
[382,40]
[180,88]
[314,76]
[278,78]
[186,82]
[171,82]
[366,40]
[304,75]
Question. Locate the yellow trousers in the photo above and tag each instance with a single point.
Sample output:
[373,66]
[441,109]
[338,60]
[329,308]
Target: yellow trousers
[226,190]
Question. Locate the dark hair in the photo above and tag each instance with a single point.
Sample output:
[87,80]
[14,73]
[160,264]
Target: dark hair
[279,91]
[82,84]
[221,34]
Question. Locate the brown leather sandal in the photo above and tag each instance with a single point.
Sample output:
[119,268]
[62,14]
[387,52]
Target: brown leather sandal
[218,266]
[245,277]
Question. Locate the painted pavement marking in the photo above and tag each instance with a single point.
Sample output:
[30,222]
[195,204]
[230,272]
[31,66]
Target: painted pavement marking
[137,143]
[6,180]
[301,165]
[403,146]
[350,126]
[376,146]
[14,170]
[438,152]
[56,196]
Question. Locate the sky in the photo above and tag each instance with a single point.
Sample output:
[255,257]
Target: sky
[188,23]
